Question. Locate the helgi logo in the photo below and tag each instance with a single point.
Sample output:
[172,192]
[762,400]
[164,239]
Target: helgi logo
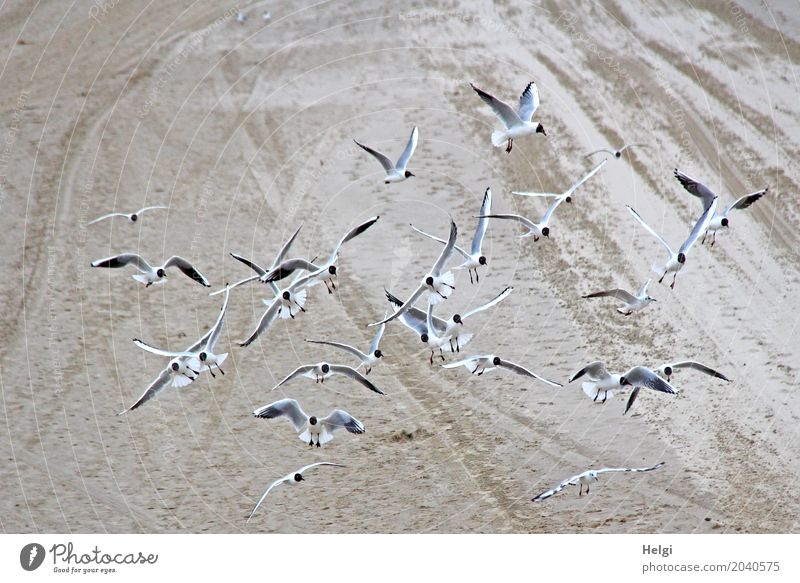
[31,556]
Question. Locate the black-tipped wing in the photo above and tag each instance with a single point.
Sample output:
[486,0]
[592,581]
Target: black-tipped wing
[504,112]
[152,391]
[695,188]
[355,375]
[528,102]
[745,201]
[521,370]
[553,491]
[595,371]
[620,294]
[251,264]
[650,469]
[122,260]
[700,368]
[187,269]
[288,408]
[346,347]
[387,164]
[339,419]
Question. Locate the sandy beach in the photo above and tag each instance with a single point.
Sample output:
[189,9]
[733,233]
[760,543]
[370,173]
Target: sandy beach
[246,130]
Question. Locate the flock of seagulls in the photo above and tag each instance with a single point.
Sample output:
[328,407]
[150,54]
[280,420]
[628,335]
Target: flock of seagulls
[288,282]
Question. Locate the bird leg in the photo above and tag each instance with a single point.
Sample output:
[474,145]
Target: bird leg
[451,344]
[211,372]
[220,370]
[605,396]
[580,492]
[431,358]
[477,277]
[713,238]
[662,277]
[441,354]
[509,146]
[674,277]
[470,275]
[311,441]
[477,366]
[367,371]
[328,287]
[703,242]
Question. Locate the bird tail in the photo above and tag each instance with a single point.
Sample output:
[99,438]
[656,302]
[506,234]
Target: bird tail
[325,437]
[305,436]
[141,278]
[499,138]
[463,339]
[657,268]
[179,381]
[589,389]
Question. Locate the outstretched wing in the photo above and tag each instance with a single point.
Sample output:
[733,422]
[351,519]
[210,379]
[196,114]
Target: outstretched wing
[152,391]
[493,302]
[501,109]
[442,241]
[387,164]
[650,230]
[700,226]
[187,269]
[299,371]
[521,370]
[286,246]
[553,491]
[588,175]
[104,217]
[528,102]
[376,340]
[267,318]
[342,419]
[251,264]
[619,294]
[444,256]
[402,162]
[650,469]
[122,260]
[355,375]
[480,231]
[346,347]
[288,408]
[264,495]
[404,307]
[746,201]
[595,371]
[695,188]
[699,367]
[352,234]
[640,376]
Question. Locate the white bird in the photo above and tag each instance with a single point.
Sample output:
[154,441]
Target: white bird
[517,123]
[600,381]
[203,356]
[616,153]
[324,272]
[542,228]
[630,303]
[585,479]
[367,360]
[292,479]
[567,194]
[479,364]
[308,428]
[395,172]
[241,17]
[152,275]
[641,377]
[719,220]
[439,285]
[418,322]
[132,217]
[475,257]
[677,260]
[454,327]
[322,370]
[266,16]
[668,369]
[260,271]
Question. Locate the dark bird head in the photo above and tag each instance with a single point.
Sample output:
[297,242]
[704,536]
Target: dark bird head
[332,270]
[378,354]
[617,154]
[623,381]
[175,366]
[326,368]
[457,319]
[681,258]
[568,199]
[424,338]
[540,130]
[482,260]
[409,174]
[134,218]
[725,222]
[203,356]
[546,232]
[429,281]
[298,477]
[668,372]
[496,361]
[161,273]
[312,420]
[286,295]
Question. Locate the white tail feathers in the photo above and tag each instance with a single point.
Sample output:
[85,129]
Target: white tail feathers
[499,138]
[463,340]
[179,381]
[589,389]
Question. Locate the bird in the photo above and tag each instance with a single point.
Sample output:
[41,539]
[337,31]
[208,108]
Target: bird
[203,356]
[542,228]
[292,479]
[367,360]
[616,153]
[475,257]
[641,377]
[517,123]
[241,17]
[668,369]
[266,16]
[323,273]
[567,194]
[677,260]
[585,479]
[260,271]
[600,381]
[308,428]
[455,324]
[417,321]
[322,370]
[152,275]
[718,220]
[630,303]
[438,285]
[132,217]
[479,364]
[395,172]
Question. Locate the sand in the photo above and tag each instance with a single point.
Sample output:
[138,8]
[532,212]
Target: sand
[245,131]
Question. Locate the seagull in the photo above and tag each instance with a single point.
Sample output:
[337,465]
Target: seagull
[152,275]
[260,271]
[567,194]
[325,272]
[676,260]
[322,370]
[132,217]
[292,479]
[241,17]
[203,356]
[488,362]
[395,172]
[310,427]
[454,326]
[600,381]
[630,303]
[718,220]
[536,230]
[517,123]
[641,377]
[668,369]
[585,479]
[266,16]
[438,285]
[616,153]
[368,360]
[475,258]
[431,332]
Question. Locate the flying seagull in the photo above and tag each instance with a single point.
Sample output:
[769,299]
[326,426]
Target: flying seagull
[567,194]
[616,153]
[431,331]
[600,382]
[668,369]
[630,303]
[585,479]
[641,377]
[517,123]
[676,260]
[292,479]
[132,217]
[322,370]
[718,220]
[152,275]
[367,360]
[395,172]
[308,428]
[542,228]
[475,257]
[479,364]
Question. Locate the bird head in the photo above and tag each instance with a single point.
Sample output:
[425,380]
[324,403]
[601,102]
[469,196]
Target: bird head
[429,281]
[161,273]
[312,420]
[175,366]
[332,270]
[286,295]
[457,319]
[134,218]
[496,361]
[409,174]
[203,356]
[378,354]
[482,260]
[424,338]
[725,222]
[326,367]
[546,232]
[623,381]
[298,477]
[540,129]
